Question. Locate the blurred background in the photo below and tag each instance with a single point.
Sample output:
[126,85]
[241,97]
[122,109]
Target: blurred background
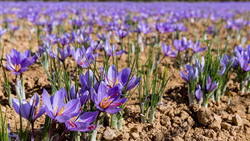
[136,0]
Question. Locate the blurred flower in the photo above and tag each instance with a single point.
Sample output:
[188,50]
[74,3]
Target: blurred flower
[210,87]
[82,57]
[168,51]
[182,45]
[2,31]
[191,73]
[18,62]
[122,33]
[199,93]
[112,51]
[196,47]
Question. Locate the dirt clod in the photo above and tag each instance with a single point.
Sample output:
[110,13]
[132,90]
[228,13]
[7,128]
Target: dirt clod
[237,120]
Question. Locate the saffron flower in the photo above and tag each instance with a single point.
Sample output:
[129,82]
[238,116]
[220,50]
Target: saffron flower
[29,110]
[2,31]
[114,78]
[168,51]
[62,55]
[82,95]
[210,87]
[182,45]
[196,47]
[106,99]
[56,109]
[82,123]
[18,62]
[82,57]
[199,93]
[111,51]
[122,33]
[191,73]
[87,80]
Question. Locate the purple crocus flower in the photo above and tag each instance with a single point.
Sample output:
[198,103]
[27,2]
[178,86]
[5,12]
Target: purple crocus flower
[112,51]
[196,47]
[191,73]
[106,99]
[199,93]
[122,33]
[114,78]
[200,64]
[82,123]
[57,109]
[210,30]
[28,110]
[63,53]
[2,31]
[87,80]
[82,57]
[182,45]
[244,62]
[143,28]
[210,87]
[18,62]
[82,95]
[65,39]
[104,37]
[168,51]
[51,39]
[13,28]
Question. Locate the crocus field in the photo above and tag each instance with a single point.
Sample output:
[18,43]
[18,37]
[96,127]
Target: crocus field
[91,71]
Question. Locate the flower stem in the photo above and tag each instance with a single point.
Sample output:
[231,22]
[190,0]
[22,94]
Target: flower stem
[114,121]
[32,132]
[51,129]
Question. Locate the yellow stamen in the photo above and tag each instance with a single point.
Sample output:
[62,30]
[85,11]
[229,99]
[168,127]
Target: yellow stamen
[72,119]
[60,112]
[17,67]
[105,102]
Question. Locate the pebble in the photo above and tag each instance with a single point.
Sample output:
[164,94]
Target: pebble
[109,134]
[237,120]
[226,126]
[135,135]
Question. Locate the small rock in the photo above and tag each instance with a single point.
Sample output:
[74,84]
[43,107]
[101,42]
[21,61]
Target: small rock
[184,115]
[215,126]
[127,111]
[165,121]
[225,125]
[137,128]
[135,135]
[211,134]
[126,136]
[204,116]
[177,120]
[158,137]
[109,134]
[217,118]
[190,121]
[161,108]
[237,120]
[224,99]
